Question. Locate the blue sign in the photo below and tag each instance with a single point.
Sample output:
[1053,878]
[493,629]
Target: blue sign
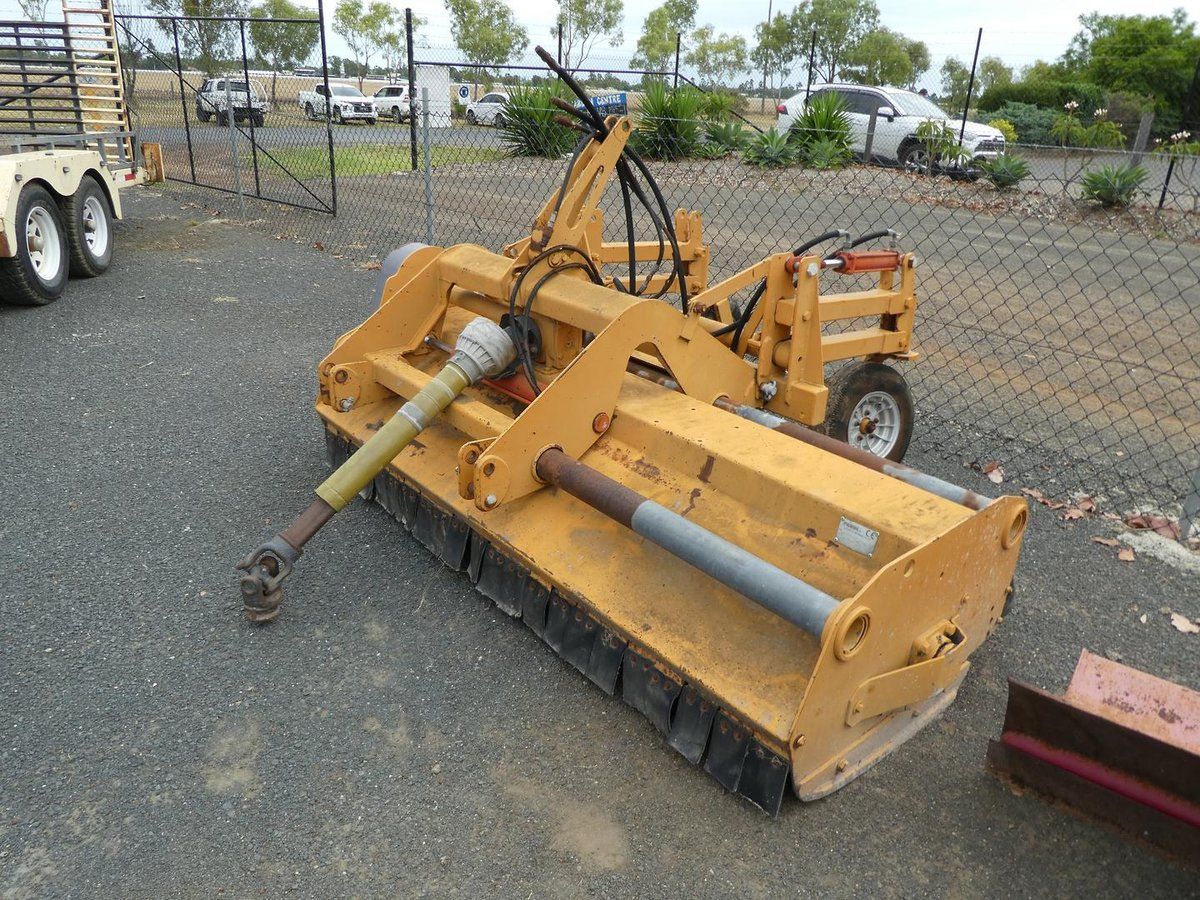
[463,92]
[608,104]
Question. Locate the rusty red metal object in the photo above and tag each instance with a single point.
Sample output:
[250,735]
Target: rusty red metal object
[1121,746]
[857,261]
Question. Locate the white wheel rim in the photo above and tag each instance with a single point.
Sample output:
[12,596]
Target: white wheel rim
[95,226]
[875,424]
[44,244]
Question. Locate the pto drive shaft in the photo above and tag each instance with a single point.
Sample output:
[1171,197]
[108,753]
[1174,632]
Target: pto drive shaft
[482,351]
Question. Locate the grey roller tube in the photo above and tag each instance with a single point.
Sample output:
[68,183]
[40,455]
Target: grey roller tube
[756,579]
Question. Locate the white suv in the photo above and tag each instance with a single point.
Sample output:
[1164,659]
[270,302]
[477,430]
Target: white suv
[392,100]
[488,109]
[898,113]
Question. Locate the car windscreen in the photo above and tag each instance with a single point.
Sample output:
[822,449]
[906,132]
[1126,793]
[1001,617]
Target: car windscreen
[345,90]
[910,104]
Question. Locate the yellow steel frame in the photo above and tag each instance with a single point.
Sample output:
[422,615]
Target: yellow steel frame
[893,652]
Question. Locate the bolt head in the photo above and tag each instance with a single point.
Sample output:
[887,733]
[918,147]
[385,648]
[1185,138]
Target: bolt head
[812,270]
[490,500]
[347,404]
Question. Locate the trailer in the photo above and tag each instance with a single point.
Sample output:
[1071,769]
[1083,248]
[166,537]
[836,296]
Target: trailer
[71,149]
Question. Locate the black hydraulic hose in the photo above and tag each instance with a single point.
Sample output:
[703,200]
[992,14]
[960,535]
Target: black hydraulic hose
[676,257]
[819,239]
[871,236]
[570,82]
[632,286]
[744,318]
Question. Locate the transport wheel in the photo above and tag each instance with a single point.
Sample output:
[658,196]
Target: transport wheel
[89,229]
[471,117]
[38,273]
[871,408]
[498,122]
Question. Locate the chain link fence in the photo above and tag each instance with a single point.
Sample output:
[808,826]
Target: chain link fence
[1057,336]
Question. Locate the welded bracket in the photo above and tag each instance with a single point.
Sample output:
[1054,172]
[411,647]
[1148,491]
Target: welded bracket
[904,687]
[574,411]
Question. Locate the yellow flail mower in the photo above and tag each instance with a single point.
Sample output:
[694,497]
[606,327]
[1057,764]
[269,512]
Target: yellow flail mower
[635,481]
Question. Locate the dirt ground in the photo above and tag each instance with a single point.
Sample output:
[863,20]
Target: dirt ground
[394,733]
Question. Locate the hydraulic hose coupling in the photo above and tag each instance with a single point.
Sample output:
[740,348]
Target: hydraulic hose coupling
[483,350]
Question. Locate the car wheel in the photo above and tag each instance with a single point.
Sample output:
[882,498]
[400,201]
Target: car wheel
[871,408]
[396,114]
[38,273]
[257,120]
[308,111]
[337,115]
[471,120]
[369,121]
[498,121]
[89,229]
[203,115]
[913,157]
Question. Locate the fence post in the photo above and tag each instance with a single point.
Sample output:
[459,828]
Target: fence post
[678,43]
[237,166]
[870,136]
[560,28]
[250,111]
[812,58]
[187,125]
[429,239]
[412,88]
[970,87]
[1143,137]
[333,197]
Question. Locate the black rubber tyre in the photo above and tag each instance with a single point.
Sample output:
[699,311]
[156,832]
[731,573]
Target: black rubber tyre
[20,282]
[337,115]
[86,212]
[203,115]
[911,157]
[870,407]
[258,120]
[498,122]
[309,112]
[369,121]
[471,117]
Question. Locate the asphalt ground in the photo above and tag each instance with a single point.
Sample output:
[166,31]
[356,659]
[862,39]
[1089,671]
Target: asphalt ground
[393,733]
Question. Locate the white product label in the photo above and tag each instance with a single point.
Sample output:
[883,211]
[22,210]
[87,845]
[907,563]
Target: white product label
[858,538]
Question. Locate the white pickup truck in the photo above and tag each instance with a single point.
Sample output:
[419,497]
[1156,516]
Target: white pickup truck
[349,104]
[216,95]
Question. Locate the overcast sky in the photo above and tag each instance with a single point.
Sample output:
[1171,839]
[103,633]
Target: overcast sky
[1018,31]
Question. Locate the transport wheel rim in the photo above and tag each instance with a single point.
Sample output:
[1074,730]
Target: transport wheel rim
[875,423]
[95,227]
[44,243]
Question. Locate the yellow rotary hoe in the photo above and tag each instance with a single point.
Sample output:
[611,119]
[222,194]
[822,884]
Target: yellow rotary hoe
[635,480]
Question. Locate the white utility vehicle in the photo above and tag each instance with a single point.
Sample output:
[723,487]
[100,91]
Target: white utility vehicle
[897,114]
[217,95]
[72,150]
[347,104]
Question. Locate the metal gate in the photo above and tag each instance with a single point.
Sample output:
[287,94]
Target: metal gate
[221,95]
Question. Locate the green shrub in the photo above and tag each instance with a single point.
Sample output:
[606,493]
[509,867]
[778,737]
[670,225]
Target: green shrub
[729,135]
[825,153]
[824,119]
[769,149]
[1046,94]
[716,106]
[1005,171]
[669,126]
[527,126]
[941,145]
[1032,124]
[1006,128]
[709,150]
[1112,185]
